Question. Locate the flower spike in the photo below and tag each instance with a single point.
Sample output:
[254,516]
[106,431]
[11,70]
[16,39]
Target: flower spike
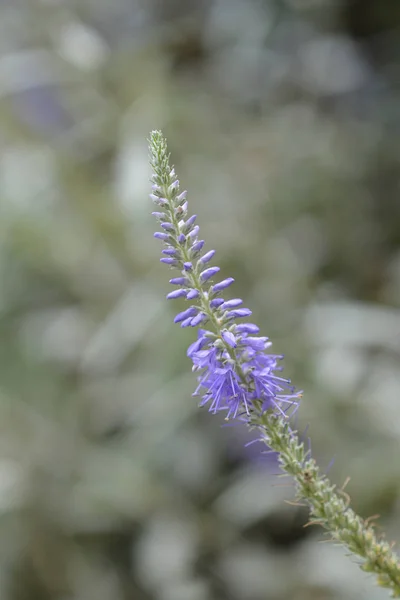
[237,375]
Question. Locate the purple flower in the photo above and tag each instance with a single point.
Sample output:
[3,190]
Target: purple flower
[194,232]
[223,391]
[205,358]
[182,196]
[192,294]
[178,280]
[223,284]
[167,226]
[268,388]
[161,236]
[247,328]
[235,373]
[239,313]
[187,226]
[198,344]
[229,338]
[231,303]
[208,273]
[176,294]
[198,319]
[216,302]
[257,343]
[190,312]
[187,322]
[197,247]
[173,187]
[207,256]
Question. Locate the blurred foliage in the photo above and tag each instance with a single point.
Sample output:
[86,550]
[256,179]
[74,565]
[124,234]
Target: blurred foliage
[283,121]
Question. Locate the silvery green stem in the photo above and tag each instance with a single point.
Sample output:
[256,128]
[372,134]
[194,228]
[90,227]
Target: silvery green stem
[330,508]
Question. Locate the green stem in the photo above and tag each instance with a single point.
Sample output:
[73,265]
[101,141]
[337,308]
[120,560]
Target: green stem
[330,508]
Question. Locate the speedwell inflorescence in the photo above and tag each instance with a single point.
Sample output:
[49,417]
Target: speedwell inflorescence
[237,374]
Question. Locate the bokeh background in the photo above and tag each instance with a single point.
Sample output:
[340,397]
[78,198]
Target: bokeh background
[283,119]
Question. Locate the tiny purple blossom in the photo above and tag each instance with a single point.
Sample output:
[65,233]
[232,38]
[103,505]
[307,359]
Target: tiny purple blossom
[207,257]
[161,236]
[194,231]
[193,294]
[190,222]
[198,319]
[173,187]
[181,238]
[197,345]
[222,284]
[187,266]
[223,391]
[231,303]
[239,313]
[176,294]
[189,312]
[247,328]
[258,343]
[216,302]
[169,261]
[205,359]
[167,226]
[208,273]
[196,248]
[178,280]
[169,251]
[187,322]
[182,196]
[229,338]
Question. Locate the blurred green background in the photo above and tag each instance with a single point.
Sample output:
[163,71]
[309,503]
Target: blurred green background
[283,119]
